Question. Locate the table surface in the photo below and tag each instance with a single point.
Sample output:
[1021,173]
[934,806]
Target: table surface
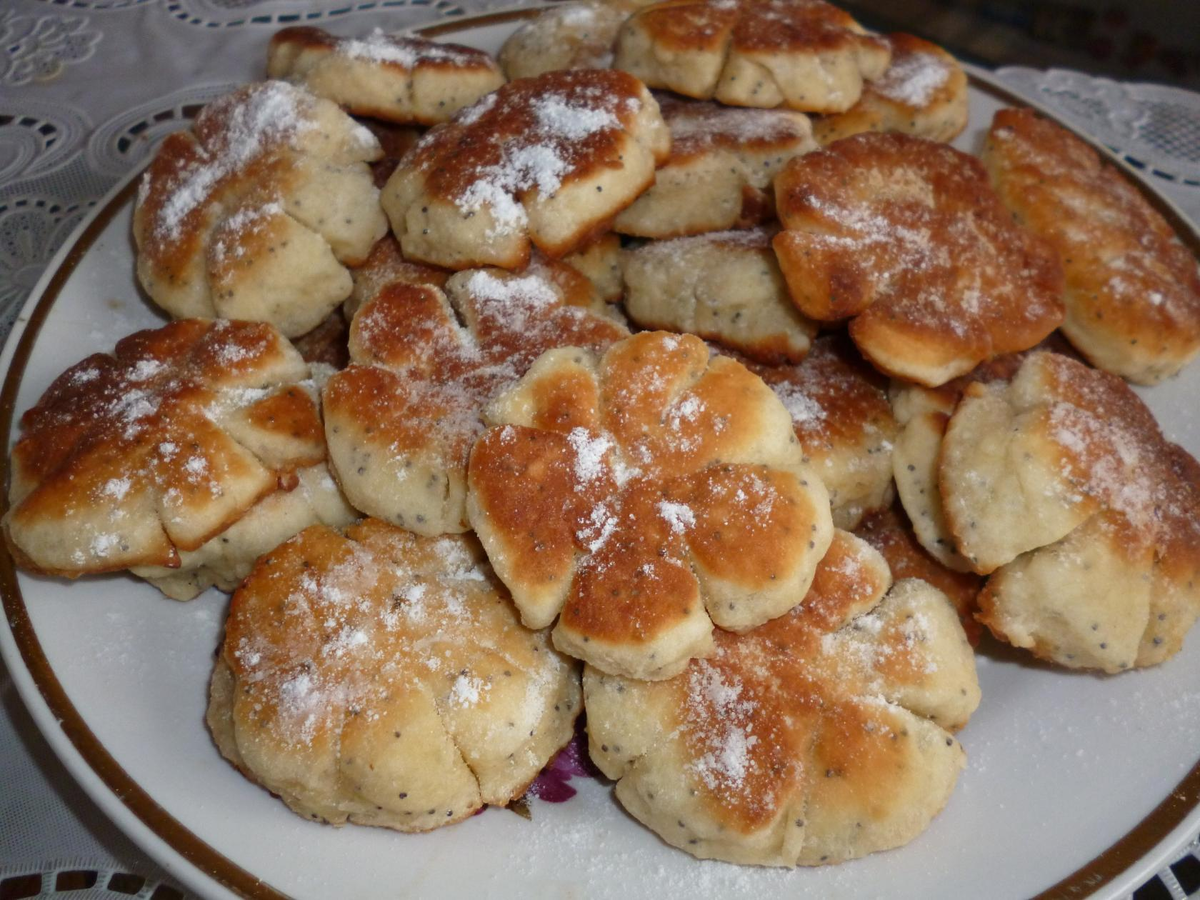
[88,87]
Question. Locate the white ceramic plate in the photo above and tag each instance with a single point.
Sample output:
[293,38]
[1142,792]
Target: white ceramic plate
[1075,783]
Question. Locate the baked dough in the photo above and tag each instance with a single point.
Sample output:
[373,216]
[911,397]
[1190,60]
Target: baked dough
[803,54]
[400,420]
[545,161]
[720,170]
[844,423]
[818,737]
[645,494]
[256,212]
[1132,289]
[1060,484]
[566,36]
[922,93]
[383,678]
[725,287]
[906,238]
[389,76]
[144,457]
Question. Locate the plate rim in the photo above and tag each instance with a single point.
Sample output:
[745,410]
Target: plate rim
[1136,855]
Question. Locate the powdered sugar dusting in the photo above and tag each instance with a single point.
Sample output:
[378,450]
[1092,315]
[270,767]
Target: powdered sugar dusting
[914,78]
[716,697]
[408,52]
[271,113]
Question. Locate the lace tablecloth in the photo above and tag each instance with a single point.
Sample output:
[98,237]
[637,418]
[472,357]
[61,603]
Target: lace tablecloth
[87,87]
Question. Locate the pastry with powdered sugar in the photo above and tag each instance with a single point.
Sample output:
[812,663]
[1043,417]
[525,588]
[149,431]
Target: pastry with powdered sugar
[576,35]
[403,79]
[182,455]
[400,420]
[543,162]
[1059,484]
[724,286]
[905,238]
[720,170]
[382,678]
[806,55]
[641,495]
[257,211]
[1132,287]
[818,737]
[922,93]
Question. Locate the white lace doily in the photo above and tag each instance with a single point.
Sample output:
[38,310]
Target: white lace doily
[1155,127]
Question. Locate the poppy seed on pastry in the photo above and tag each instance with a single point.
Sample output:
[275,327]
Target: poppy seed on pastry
[256,212]
[147,457]
[383,678]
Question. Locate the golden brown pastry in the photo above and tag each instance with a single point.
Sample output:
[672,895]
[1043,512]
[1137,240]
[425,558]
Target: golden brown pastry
[1132,289]
[400,420]
[922,93]
[803,54]
[724,286]
[1060,484]
[844,423]
[545,162]
[641,496]
[818,737]
[389,76]
[906,238]
[146,457]
[720,170]
[383,678]
[256,212]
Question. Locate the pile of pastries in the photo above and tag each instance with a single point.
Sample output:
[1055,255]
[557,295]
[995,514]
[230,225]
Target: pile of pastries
[672,367]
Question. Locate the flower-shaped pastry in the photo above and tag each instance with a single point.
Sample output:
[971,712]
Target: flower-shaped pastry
[906,236]
[545,161]
[719,174]
[390,76]
[922,93]
[255,212]
[818,737]
[803,54]
[137,458]
[1132,288]
[645,495]
[566,36]
[1061,485]
[384,678]
[724,286]
[400,420]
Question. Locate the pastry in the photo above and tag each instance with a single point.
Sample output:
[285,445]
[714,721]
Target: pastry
[383,678]
[725,286]
[400,420]
[720,170]
[145,457]
[256,212]
[818,737]
[641,496]
[905,238]
[844,423]
[1060,484]
[545,162]
[1132,289]
[803,54]
[922,93]
[389,76]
